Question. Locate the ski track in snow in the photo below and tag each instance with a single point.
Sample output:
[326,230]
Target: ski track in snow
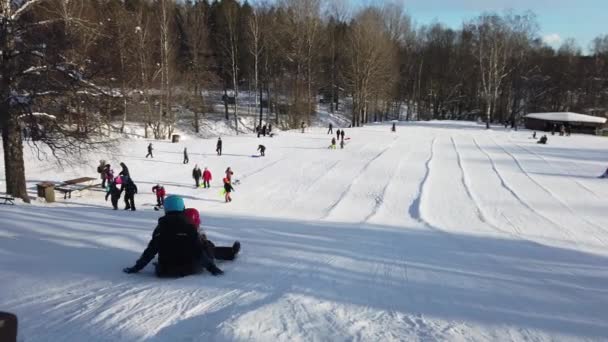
[439,232]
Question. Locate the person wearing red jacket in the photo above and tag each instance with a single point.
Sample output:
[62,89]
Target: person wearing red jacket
[206,178]
[159,190]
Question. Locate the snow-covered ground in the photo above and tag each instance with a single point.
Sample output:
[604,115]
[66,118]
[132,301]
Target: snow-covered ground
[441,232]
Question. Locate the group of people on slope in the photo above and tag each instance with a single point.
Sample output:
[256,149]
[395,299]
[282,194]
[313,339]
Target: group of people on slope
[263,130]
[339,135]
[111,183]
[182,246]
[218,149]
[205,174]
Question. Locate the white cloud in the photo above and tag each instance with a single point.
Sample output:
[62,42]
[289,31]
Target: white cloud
[552,39]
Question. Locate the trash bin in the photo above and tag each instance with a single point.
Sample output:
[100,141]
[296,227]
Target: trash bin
[46,190]
[175,138]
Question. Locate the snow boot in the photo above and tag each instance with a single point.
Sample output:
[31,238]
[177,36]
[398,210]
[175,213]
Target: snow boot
[236,247]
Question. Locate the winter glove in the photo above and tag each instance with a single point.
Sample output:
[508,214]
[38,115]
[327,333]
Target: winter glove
[129,270]
[215,270]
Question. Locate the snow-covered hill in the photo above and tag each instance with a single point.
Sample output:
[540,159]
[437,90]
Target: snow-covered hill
[440,232]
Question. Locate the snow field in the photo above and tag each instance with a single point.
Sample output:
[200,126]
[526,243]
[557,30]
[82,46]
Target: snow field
[442,231]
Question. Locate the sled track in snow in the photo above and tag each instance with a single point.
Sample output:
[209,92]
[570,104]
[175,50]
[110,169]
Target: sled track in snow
[507,187]
[331,208]
[550,193]
[466,183]
[531,152]
[263,168]
[380,199]
[414,209]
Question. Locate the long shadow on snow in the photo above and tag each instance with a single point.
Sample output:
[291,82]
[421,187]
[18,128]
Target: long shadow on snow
[485,280]
[489,281]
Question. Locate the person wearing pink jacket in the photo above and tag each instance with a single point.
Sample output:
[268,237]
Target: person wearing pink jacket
[206,178]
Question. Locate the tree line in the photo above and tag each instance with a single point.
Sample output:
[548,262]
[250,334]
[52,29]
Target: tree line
[72,69]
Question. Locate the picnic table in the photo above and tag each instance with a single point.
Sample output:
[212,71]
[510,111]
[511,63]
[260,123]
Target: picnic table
[77,184]
[8,199]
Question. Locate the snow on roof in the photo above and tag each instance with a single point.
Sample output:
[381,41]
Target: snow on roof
[566,117]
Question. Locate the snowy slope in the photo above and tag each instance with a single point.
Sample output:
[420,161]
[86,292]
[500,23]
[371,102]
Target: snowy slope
[440,232]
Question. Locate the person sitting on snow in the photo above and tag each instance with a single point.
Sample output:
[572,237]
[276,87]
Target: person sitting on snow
[543,140]
[177,244]
[212,251]
[333,144]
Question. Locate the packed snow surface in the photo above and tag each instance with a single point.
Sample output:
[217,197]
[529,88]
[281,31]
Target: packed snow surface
[439,232]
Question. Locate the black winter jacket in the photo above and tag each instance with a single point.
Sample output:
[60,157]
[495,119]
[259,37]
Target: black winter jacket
[197,173]
[177,244]
[130,188]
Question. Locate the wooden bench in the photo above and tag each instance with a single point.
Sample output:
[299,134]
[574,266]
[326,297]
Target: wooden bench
[77,184]
[8,200]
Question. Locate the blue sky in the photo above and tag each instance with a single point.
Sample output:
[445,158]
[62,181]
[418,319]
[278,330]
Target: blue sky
[582,20]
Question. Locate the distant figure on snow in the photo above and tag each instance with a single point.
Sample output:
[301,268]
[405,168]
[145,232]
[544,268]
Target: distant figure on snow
[218,146]
[229,173]
[206,178]
[159,190]
[186,159]
[177,244]
[302,125]
[269,128]
[543,140]
[150,149]
[342,144]
[100,169]
[394,128]
[114,192]
[342,134]
[228,189]
[262,149]
[534,135]
[338,134]
[333,143]
[130,190]
[331,129]
[197,174]
[264,129]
